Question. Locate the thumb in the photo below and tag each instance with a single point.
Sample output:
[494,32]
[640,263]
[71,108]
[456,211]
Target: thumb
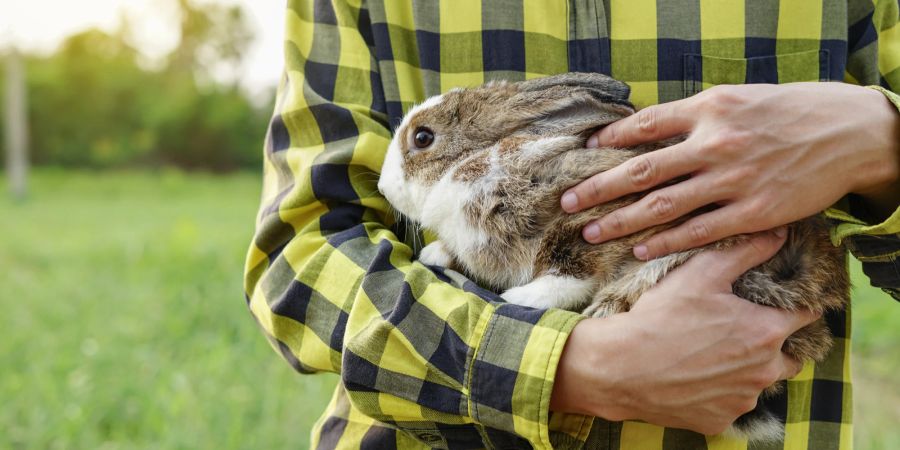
[727,265]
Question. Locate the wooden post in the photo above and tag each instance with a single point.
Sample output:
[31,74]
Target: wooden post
[16,131]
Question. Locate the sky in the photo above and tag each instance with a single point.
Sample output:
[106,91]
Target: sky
[40,25]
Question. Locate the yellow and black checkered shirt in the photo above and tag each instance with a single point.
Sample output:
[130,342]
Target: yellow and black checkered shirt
[429,359]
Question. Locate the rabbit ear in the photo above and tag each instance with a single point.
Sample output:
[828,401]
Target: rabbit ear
[569,104]
[604,88]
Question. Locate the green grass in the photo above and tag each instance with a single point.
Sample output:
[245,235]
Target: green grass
[124,320]
[124,324]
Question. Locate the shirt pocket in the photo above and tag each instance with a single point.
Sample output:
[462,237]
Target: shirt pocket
[704,71]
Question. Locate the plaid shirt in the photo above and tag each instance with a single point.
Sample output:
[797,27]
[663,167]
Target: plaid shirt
[427,358]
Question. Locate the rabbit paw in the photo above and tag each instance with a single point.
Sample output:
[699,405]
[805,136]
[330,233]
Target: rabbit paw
[527,296]
[551,291]
[434,254]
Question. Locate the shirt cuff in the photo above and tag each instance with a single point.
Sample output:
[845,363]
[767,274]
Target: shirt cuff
[891,96]
[848,224]
[514,369]
[848,218]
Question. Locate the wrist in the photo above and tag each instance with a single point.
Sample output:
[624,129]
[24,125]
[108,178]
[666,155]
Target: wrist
[590,369]
[883,176]
[878,183]
[573,371]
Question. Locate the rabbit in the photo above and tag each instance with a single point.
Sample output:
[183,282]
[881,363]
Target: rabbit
[483,168]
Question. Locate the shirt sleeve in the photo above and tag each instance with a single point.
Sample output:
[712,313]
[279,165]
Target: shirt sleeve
[335,290]
[873,60]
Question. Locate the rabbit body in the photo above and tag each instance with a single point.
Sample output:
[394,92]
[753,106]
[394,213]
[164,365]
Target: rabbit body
[489,184]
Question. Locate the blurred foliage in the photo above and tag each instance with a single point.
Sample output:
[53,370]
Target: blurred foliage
[92,104]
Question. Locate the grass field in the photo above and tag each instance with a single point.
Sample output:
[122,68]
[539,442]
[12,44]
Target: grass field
[124,325]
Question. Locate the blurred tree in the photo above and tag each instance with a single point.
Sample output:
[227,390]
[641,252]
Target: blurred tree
[212,36]
[93,105]
[207,122]
[85,103]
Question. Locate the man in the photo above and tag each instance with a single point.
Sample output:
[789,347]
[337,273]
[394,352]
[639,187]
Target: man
[430,360]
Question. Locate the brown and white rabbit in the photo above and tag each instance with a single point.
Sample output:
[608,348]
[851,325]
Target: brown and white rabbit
[484,168]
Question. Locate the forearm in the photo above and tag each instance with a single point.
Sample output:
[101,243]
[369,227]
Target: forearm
[334,288]
[412,345]
[870,230]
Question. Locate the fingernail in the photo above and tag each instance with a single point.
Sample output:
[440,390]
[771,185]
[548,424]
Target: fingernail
[781,232]
[640,252]
[593,142]
[569,202]
[606,137]
[592,232]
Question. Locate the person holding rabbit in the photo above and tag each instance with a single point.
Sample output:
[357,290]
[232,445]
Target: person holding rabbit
[429,359]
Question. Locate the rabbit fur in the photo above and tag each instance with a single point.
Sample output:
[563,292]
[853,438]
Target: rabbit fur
[489,184]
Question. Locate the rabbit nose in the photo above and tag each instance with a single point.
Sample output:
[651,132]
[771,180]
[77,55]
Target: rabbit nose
[386,185]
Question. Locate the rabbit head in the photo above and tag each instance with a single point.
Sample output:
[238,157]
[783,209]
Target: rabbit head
[438,134]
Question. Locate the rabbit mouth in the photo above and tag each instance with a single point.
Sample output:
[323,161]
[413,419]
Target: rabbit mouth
[393,191]
[392,182]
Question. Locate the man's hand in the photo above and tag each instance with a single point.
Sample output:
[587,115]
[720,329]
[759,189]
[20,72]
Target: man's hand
[688,355]
[767,155]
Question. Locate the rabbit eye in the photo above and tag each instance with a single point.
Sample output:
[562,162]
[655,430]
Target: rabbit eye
[424,137]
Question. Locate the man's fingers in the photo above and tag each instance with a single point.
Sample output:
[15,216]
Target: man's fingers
[727,265]
[795,320]
[700,230]
[660,206]
[650,124]
[792,367]
[635,175]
